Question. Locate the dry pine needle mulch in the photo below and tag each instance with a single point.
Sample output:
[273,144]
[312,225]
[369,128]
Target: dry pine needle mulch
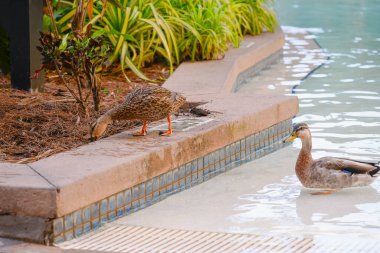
[36,125]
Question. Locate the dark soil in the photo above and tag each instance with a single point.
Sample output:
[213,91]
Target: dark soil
[37,125]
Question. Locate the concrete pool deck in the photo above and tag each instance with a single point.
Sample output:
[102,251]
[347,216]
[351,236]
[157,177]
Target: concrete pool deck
[64,196]
[257,207]
[223,215]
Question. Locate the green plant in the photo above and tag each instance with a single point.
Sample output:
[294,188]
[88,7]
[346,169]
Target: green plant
[142,32]
[254,16]
[63,12]
[207,33]
[76,55]
[211,26]
[78,58]
[139,34]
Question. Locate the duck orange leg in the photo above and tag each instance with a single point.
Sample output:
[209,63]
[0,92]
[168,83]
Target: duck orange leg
[169,132]
[326,192]
[143,130]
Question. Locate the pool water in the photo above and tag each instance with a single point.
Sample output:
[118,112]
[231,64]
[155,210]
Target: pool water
[283,206]
[341,100]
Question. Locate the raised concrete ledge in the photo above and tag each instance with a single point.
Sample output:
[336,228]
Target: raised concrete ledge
[212,77]
[23,192]
[63,183]
[93,172]
[27,203]
[32,229]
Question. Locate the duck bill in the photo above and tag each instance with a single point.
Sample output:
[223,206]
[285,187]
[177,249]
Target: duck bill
[291,138]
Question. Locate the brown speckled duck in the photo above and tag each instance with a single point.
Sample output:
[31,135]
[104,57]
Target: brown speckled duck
[146,103]
[329,172]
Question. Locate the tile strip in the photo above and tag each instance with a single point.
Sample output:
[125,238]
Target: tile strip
[178,179]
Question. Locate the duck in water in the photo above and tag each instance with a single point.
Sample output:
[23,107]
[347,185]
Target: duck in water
[329,172]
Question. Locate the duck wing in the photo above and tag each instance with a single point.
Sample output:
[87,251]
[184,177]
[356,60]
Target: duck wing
[150,103]
[153,93]
[142,92]
[348,165]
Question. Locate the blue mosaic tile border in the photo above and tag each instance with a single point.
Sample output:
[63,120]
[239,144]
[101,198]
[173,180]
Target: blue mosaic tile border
[190,174]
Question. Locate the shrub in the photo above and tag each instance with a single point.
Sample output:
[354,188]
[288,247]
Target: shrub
[207,30]
[78,58]
[139,34]
[76,55]
[141,31]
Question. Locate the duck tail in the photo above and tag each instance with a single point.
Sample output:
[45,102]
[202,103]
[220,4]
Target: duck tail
[373,172]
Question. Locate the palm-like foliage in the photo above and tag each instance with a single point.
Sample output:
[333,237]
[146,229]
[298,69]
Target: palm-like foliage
[63,12]
[139,34]
[143,31]
[207,32]
[254,16]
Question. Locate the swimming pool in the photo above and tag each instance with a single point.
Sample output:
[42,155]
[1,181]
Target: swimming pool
[340,100]
[334,70]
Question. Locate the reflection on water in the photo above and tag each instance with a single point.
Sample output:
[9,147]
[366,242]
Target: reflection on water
[286,207]
[273,205]
[341,103]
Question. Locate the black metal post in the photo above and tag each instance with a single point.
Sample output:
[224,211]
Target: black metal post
[22,19]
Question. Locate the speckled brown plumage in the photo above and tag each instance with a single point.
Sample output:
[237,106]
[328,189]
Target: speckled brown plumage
[329,172]
[146,103]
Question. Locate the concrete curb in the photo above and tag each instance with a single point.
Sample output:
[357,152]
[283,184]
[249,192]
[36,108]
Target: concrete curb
[214,77]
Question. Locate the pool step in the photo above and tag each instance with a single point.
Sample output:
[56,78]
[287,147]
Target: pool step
[127,238]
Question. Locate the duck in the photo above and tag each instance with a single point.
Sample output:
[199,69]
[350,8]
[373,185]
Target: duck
[147,103]
[329,173]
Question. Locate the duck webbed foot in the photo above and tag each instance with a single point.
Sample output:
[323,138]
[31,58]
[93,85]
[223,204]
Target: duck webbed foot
[167,133]
[170,131]
[143,131]
[325,192]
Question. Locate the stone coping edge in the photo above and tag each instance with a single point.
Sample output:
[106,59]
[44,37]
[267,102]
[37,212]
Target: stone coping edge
[220,76]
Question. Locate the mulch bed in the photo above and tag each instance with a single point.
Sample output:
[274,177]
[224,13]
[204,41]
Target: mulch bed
[37,125]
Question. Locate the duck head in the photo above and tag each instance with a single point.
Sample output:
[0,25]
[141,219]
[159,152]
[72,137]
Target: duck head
[99,127]
[300,130]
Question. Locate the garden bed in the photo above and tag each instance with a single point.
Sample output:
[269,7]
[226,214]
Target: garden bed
[37,125]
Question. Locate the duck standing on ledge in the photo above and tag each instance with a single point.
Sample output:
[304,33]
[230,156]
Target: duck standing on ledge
[329,172]
[146,103]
